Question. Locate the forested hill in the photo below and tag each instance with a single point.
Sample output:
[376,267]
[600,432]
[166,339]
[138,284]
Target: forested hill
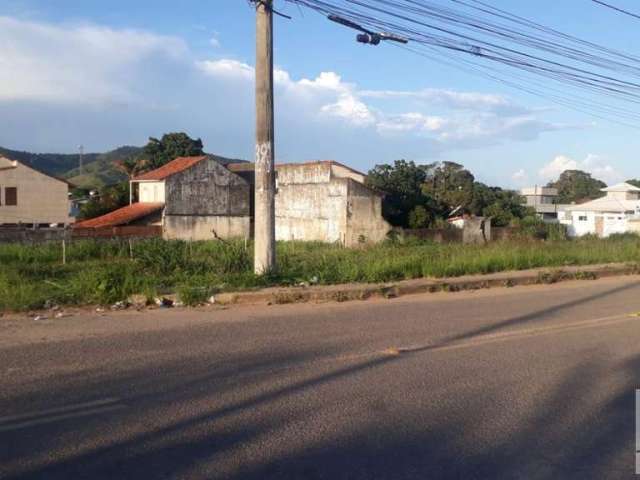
[99,169]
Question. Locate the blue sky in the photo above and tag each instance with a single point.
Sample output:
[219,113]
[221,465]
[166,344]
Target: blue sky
[103,74]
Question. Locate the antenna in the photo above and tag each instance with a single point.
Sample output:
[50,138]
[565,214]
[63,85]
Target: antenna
[80,166]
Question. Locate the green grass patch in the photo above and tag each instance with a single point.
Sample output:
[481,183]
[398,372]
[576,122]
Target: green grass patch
[103,272]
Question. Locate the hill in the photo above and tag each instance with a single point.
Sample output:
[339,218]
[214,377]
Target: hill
[99,169]
[52,163]
[102,170]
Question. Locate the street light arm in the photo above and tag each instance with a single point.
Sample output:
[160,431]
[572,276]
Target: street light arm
[369,37]
[348,23]
[393,38]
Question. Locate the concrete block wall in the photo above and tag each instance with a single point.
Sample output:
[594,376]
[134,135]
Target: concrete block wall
[197,227]
[311,211]
[365,223]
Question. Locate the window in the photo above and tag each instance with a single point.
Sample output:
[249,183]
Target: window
[582,218]
[11,196]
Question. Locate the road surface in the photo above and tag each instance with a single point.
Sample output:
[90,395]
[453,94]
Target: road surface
[526,382]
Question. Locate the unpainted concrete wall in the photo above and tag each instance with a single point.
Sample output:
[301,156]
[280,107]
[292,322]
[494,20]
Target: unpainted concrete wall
[197,227]
[476,230]
[365,223]
[206,198]
[316,202]
[207,188]
[29,235]
[312,211]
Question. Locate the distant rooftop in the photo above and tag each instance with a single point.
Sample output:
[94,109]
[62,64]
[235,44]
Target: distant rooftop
[175,166]
[621,187]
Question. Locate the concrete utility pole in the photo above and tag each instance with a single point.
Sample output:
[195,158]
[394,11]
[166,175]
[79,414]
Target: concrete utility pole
[265,185]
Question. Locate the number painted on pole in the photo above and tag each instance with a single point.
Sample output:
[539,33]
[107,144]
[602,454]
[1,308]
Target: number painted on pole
[263,156]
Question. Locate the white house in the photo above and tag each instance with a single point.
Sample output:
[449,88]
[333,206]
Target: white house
[31,197]
[616,212]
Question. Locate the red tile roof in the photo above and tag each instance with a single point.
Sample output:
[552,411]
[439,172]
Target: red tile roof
[122,216]
[174,166]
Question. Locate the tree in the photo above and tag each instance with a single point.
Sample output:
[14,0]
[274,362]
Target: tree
[449,184]
[422,196]
[419,217]
[506,208]
[576,186]
[172,145]
[634,182]
[402,184]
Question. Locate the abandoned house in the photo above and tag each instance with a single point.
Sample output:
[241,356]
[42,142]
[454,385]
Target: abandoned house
[192,198]
[324,201]
[197,198]
[31,197]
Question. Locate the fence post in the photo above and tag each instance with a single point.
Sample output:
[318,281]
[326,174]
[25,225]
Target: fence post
[64,251]
[130,248]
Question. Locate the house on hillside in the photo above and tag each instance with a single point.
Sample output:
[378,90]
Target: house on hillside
[617,212]
[198,198]
[30,197]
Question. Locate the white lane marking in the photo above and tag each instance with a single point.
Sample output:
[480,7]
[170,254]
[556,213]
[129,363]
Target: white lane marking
[56,418]
[66,408]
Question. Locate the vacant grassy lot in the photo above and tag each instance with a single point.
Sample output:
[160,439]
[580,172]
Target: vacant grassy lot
[103,272]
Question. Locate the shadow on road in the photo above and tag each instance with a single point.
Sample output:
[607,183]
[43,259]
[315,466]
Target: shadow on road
[577,429]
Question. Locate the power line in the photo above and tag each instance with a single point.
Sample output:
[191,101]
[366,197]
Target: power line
[477,33]
[617,9]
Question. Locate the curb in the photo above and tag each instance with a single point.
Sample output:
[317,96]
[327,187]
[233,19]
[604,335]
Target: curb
[348,292]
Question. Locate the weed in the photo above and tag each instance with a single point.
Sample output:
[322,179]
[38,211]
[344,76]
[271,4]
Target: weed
[106,272]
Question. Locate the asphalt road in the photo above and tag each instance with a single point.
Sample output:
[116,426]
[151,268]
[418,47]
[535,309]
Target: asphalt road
[527,382]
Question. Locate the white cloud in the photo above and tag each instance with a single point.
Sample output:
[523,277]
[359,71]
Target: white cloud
[594,164]
[451,99]
[214,41]
[519,175]
[72,83]
[555,167]
[479,123]
[227,68]
[77,63]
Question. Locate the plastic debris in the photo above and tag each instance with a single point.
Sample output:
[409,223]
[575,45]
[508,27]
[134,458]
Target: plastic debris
[121,305]
[164,302]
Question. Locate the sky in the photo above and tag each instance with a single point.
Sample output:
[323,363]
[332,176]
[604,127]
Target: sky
[105,74]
